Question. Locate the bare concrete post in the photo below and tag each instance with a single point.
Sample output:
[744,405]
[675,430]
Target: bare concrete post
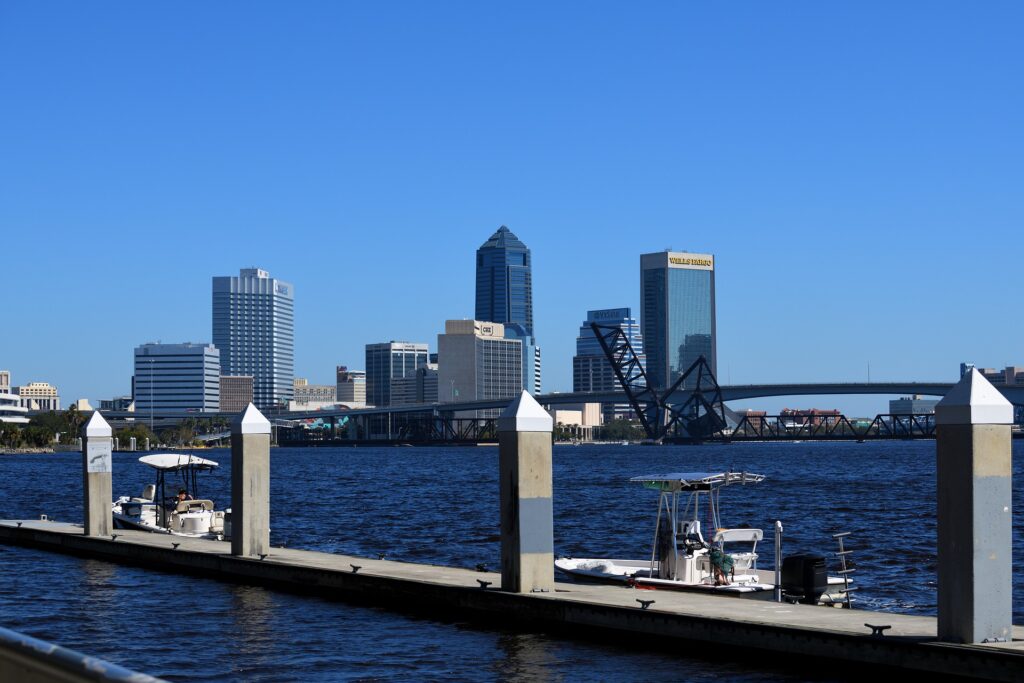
[97,487]
[974,512]
[524,459]
[250,483]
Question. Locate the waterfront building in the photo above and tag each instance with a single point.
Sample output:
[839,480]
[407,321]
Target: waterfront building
[177,377]
[1009,376]
[477,362]
[254,328]
[124,403]
[38,396]
[504,294]
[419,387]
[351,386]
[82,405]
[912,405]
[304,392]
[11,409]
[236,393]
[576,420]
[388,361]
[803,416]
[5,381]
[677,294]
[591,370]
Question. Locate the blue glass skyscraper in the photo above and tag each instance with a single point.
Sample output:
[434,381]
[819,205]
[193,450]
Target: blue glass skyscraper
[677,293]
[504,294]
[591,370]
[504,286]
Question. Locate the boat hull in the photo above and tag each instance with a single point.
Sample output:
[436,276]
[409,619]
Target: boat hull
[757,584]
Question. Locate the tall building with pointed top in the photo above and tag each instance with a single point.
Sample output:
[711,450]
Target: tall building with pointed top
[504,294]
[254,328]
[504,286]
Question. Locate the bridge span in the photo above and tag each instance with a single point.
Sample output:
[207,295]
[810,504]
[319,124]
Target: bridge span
[1014,394]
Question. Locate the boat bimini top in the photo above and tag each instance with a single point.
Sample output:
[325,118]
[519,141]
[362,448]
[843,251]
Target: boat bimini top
[678,482]
[177,461]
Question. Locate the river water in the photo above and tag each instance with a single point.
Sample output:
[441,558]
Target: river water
[440,505]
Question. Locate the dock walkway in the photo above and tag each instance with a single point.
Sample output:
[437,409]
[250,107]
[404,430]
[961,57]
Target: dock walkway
[753,627]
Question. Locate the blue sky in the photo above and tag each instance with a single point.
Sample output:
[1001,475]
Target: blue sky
[855,168]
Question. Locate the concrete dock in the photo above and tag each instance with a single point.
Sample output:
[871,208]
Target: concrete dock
[790,634]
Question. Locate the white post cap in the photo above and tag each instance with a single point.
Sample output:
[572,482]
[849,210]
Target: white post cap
[974,401]
[524,414]
[97,427]
[250,421]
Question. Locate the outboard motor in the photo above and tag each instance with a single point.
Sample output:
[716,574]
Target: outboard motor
[804,576]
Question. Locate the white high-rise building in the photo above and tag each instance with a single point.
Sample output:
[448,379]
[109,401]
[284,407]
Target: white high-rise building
[254,328]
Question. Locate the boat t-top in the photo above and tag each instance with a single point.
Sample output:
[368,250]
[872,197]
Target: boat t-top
[682,557]
[159,512]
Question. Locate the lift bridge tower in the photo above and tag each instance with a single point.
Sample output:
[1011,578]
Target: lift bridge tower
[699,417]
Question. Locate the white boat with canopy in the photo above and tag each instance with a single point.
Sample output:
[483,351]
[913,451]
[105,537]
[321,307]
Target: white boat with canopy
[156,511]
[682,557]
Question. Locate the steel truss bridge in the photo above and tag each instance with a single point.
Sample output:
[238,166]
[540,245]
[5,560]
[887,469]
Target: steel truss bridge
[828,428]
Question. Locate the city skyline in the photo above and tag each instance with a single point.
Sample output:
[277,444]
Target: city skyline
[855,202]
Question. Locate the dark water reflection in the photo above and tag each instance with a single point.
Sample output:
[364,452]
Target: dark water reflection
[440,506]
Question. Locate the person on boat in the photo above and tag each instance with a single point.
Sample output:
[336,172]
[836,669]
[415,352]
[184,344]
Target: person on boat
[722,563]
[183,495]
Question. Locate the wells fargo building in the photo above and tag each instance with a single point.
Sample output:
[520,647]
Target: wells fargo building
[677,293]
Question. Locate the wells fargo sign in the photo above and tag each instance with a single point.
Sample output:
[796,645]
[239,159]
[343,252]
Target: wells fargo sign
[700,261]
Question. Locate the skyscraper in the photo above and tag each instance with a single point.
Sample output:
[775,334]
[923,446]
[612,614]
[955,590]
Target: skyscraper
[591,371]
[677,293]
[254,328]
[388,361]
[504,294]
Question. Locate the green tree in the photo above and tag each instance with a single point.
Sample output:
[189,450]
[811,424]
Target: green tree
[10,435]
[622,430]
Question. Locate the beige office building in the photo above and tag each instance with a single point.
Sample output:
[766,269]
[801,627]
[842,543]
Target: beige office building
[304,392]
[39,396]
[476,362]
[351,386]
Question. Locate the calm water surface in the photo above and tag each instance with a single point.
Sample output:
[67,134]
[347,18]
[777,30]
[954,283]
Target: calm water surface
[441,506]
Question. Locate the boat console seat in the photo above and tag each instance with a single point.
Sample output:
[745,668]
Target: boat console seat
[689,532]
[147,496]
[744,560]
[194,505]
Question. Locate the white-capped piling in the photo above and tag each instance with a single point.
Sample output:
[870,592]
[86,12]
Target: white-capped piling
[97,487]
[974,512]
[250,483]
[524,459]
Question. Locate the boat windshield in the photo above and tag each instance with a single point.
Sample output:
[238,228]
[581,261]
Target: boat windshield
[674,482]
